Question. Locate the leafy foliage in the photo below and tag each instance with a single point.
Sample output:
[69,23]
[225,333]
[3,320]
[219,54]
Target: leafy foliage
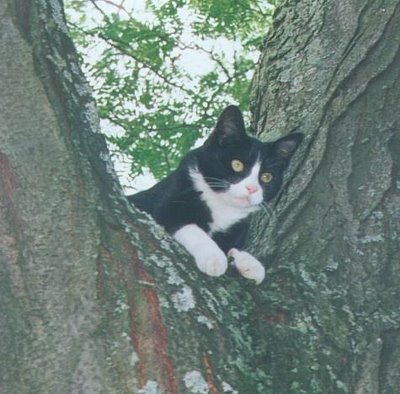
[163,70]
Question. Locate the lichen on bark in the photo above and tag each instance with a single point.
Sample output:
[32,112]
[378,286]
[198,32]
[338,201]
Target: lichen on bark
[333,235]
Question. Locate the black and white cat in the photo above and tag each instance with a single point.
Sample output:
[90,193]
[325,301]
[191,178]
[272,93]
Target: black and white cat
[206,201]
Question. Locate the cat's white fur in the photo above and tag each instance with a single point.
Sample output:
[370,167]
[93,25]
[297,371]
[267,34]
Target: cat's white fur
[247,265]
[227,208]
[230,206]
[208,256]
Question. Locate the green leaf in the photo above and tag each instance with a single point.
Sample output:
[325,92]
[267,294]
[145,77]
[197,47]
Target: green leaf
[156,106]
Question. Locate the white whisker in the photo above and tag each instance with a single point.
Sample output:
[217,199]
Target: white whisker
[210,180]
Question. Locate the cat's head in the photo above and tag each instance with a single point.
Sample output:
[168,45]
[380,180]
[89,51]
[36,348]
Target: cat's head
[241,169]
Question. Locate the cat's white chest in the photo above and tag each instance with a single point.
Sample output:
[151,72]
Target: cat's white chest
[223,214]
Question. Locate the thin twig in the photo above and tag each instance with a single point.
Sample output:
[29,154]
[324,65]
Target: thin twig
[119,7]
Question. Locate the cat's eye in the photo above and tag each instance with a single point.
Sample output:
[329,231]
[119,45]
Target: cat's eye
[266,177]
[237,165]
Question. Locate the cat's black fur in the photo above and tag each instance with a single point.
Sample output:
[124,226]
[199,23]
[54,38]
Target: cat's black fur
[174,202]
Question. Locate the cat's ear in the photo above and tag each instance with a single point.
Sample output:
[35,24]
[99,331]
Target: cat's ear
[230,127]
[286,146]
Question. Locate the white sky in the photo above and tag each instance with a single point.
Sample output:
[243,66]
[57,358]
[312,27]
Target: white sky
[197,62]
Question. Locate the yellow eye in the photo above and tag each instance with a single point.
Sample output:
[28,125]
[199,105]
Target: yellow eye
[266,177]
[237,165]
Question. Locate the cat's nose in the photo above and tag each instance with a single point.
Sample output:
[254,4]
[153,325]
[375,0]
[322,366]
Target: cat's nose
[251,188]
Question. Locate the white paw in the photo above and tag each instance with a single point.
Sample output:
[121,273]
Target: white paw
[211,260]
[209,257]
[247,265]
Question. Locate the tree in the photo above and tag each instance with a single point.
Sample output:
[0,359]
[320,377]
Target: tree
[154,105]
[96,298]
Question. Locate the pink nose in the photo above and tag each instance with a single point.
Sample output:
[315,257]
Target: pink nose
[251,188]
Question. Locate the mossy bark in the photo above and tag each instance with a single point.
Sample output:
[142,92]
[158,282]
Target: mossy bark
[94,297]
[331,69]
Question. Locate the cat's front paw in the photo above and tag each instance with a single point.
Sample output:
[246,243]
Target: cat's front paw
[247,265]
[211,260]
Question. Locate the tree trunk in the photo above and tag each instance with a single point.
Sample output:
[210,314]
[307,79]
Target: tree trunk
[331,69]
[96,298]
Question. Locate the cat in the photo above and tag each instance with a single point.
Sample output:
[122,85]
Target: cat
[206,202]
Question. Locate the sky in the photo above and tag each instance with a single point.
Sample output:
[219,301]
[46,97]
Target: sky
[197,62]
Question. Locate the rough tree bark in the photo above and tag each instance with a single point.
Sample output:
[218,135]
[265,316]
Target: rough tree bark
[331,68]
[95,298]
